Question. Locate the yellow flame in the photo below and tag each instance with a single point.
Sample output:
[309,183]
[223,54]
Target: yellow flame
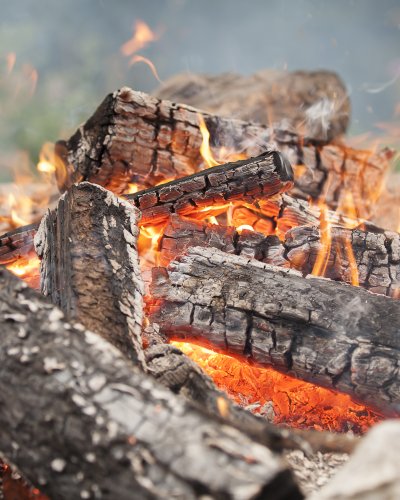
[132,188]
[205,150]
[322,259]
[142,36]
[137,59]
[24,267]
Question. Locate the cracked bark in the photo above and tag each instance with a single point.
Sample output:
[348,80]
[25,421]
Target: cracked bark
[89,425]
[90,266]
[133,137]
[376,255]
[328,333]
[315,103]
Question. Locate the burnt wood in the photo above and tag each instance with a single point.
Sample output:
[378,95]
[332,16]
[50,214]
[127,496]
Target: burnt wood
[17,243]
[314,103]
[89,425]
[248,180]
[328,333]
[133,137]
[90,266]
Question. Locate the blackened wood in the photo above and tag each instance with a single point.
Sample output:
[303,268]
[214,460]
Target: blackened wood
[133,137]
[328,333]
[248,180]
[88,425]
[90,266]
[315,103]
[375,255]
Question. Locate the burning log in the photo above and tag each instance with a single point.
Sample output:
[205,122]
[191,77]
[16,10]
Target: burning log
[17,243]
[372,258]
[248,180]
[338,336]
[90,267]
[136,138]
[315,103]
[89,425]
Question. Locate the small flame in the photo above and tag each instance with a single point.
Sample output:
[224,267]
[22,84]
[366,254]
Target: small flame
[23,268]
[133,188]
[47,161]
[142,36]
[205,150]
[137,59]
[321,262]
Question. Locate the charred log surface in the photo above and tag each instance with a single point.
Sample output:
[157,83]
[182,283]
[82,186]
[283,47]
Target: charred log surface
[248,180]
[321,331]
[17,243]
[88,425]
[90,267]
[376,256]
[133,137]
[315,103]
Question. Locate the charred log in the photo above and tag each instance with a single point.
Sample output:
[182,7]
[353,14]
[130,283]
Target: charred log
[315,103]
[88,425]
[133,137]
[90,266]
[17,243]
[328,333]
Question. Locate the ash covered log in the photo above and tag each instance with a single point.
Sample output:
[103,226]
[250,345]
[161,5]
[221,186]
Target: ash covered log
[248,180]
[88,425]
[315,103]
[328,333]
[373,258]
[90,266]
[133,137]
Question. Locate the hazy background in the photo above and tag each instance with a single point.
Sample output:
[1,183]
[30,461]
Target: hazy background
[73,47]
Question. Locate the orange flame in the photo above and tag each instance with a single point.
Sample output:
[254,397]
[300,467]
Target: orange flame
[136,59]
[142,36]
[321,262]
[205,149]
[10,62]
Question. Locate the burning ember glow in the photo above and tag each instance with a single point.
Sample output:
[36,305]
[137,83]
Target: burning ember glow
[278,397]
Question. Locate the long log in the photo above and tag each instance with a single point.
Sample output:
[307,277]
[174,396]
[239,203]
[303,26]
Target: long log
[373,258]
[133,137]
[90,266]
[88,425]
[315,103]
[248,180]
[328,333]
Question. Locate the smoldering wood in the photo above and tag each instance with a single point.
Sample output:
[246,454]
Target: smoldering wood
[328,333]
[90,265]
[133,137]
[376,255]
[17,243]
[89,425]
[248,180]
[315,103]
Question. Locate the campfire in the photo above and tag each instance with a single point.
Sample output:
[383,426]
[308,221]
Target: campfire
[219,292]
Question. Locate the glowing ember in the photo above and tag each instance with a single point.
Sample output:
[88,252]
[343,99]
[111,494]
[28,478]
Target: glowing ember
[279,397]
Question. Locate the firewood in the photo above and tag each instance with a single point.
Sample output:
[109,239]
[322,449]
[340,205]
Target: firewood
[248,180]
[90,266]
[376,254]
[133,137]
[328,333]
[88,425]
[17,243]
[315,103]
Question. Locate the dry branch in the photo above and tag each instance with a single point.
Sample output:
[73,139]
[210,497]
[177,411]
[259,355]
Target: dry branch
[88,425]
[90,266]
[321,331]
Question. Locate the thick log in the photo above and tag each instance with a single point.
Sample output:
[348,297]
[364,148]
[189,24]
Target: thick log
[90,266]
[314,103]
[328,333]
[248,180]
[374,258]
[88,425]
[133,137]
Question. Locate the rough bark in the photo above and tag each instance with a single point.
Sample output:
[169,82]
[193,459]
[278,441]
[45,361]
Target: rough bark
[376,255]
[133,137]
[88,425]
[328,333]
[90,266]
[248,180]
[315,103]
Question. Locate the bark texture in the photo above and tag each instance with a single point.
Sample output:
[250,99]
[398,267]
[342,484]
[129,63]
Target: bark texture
[89,426]
[315,103]
[90,266]
[321,331]
[248,180]
[17,243]
[133,137]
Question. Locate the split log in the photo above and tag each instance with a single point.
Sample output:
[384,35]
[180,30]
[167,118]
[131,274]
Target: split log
[374,257]
[88,425]
[314,103]
[328,333]
[133,137]
[248,180]
[90,266]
